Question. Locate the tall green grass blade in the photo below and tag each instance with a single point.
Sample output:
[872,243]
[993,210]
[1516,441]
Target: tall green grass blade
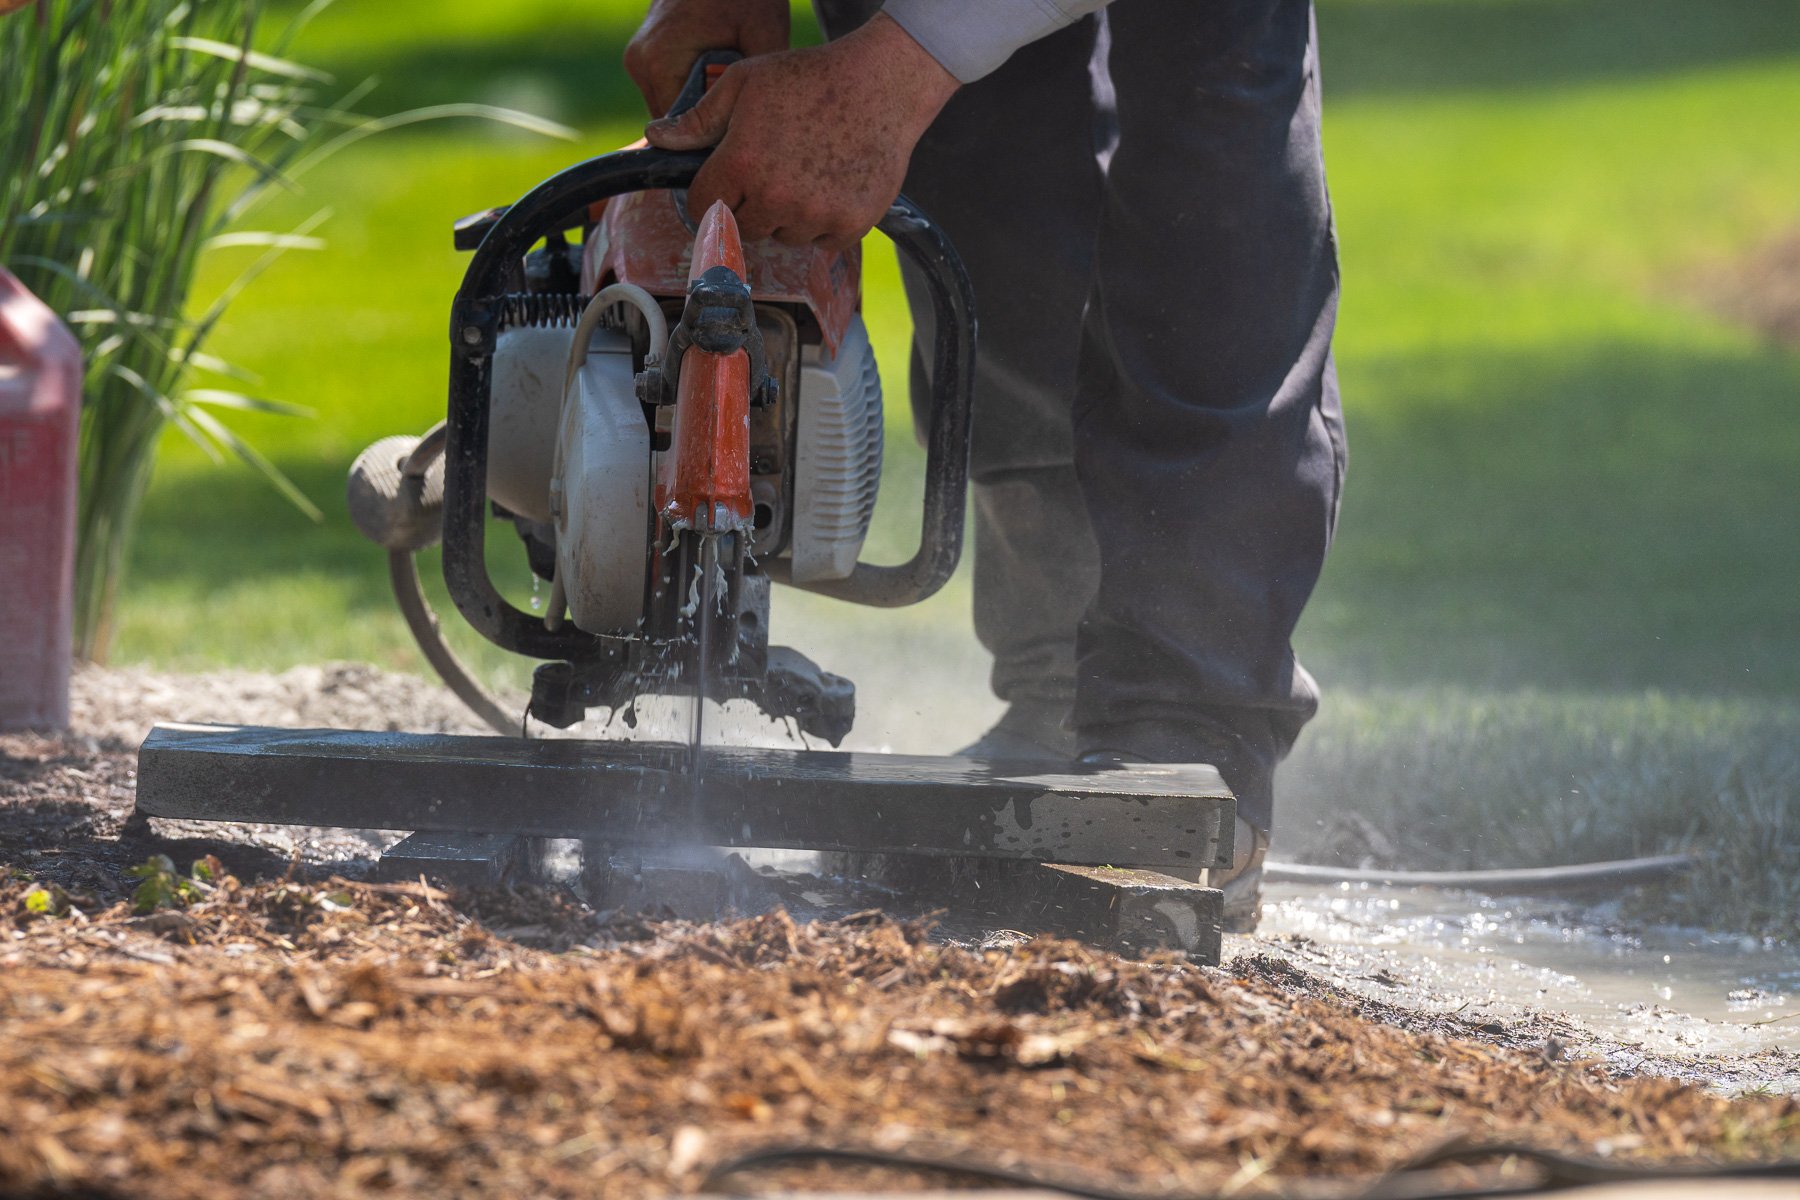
[300,21]
[254,458]
[204,326]
[219,398]
[212,364]
[281,241]
[236,155]
[267,63]
[437,112]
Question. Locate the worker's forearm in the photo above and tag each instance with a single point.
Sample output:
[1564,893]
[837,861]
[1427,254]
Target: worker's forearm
[971,39]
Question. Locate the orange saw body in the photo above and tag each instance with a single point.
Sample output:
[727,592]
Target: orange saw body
[703,482]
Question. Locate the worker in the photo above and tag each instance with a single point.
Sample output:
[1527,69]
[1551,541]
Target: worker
[1138,193]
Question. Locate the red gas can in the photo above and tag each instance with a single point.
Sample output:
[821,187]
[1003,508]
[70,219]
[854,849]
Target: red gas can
[40,410]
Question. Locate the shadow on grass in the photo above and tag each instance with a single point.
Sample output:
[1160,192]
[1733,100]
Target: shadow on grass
[1374,47]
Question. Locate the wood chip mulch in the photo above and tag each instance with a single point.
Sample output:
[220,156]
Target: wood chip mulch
[318,1039]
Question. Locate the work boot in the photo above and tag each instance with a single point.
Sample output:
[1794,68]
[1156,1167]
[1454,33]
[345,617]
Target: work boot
[1241,883]
[1026,733]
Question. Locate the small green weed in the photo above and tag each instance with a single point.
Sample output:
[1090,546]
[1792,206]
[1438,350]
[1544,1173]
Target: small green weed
[47,900]
[162,886]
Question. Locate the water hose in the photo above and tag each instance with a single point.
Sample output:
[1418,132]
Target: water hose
[1529,881]
[403,571]
[591,316]
[1417,1179]
[409,594]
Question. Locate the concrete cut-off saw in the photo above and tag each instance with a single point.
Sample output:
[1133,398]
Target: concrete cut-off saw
[671,422]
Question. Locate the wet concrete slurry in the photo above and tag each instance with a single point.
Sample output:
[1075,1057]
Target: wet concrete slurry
[1721,1008]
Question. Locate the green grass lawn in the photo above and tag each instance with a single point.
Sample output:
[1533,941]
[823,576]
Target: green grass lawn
[1564,589]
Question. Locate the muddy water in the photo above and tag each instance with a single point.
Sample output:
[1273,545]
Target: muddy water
[1668,992]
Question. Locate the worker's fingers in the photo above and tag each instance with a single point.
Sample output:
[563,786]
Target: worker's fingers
[794,235]
[704,124]
[660,89]
[661,92]
[764,37]
[770,210]
[755,219]
[719,180]
[662,52]
[653,73]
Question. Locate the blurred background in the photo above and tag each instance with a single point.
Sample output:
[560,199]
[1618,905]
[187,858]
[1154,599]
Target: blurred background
[1562,618]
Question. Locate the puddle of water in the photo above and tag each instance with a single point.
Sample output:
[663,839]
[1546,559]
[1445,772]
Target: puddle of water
[1674,990]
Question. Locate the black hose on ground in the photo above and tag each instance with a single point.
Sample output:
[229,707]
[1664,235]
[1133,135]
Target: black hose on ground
[404,573]
[1530,881]
[1417,1179]
[396,499]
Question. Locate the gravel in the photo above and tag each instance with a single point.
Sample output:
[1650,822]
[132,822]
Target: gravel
[117,706]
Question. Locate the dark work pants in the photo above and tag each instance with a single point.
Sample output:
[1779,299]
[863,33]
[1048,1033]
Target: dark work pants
[1158,448]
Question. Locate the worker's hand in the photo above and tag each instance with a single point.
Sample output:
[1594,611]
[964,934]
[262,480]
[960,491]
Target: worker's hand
[812,144]
[676,32]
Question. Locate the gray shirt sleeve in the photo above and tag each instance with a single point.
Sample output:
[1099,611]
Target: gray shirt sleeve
[972,37]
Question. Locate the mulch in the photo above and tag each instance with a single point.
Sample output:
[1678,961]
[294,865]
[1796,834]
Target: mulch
[320,1038]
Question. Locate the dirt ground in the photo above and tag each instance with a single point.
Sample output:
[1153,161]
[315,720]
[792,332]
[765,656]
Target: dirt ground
[278,1027]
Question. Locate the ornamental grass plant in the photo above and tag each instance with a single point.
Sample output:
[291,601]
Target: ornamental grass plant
[136,139]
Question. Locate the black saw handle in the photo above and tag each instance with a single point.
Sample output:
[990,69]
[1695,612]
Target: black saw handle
[696,84]
[562,201]
[467,232]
